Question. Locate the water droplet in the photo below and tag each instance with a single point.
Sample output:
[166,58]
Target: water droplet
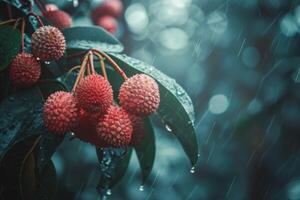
[75,3]
[108,192]
[141,188]
[198,155]
[72,134]
[192,170]
[168,128]
[47,62]
[38,58]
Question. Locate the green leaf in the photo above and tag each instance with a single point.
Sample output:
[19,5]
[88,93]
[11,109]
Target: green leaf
[113,165]
[50,86]
[91,37]
[20,117]
[146,150]
[10,43]
[47,182]
[176,108]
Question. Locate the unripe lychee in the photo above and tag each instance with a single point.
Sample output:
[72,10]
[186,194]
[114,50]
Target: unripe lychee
[108,23]
[85,128]
[60,112]
[25,70]
[59,19]
[138,129]
[50,7]
[48,43]
[94,94]
[112,8]
[139,95]
[115,127]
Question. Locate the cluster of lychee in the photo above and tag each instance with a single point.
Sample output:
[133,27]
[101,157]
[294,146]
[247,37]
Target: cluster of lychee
[47,44]
[106,14]
[92,115]
[58,18]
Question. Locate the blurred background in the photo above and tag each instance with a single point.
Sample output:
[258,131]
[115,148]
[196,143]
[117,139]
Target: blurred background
[239,61]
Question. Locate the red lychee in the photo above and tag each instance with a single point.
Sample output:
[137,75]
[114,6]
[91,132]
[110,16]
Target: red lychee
[138,132]
[94,94]
[85,129]
[25,70]
[112,8]
[59,19]
[139,95]
[108,23]
[48,43]
[60,112]
[115,127]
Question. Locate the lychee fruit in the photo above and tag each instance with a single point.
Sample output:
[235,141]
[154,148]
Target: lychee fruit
[59,19]
[48,43]
[138,130]
[139,95]
[60,112]
[94,94]
[115,127]
[108,23]
[85,128]
[112,8]
[25,70]
[50,7]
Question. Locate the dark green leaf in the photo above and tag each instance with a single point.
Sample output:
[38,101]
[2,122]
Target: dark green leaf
[176,108]
[113,166]
[47,182]
[50,86]
[91,37]
[20,117]
[10,168]
[27,178]
[146,150]
[10,43]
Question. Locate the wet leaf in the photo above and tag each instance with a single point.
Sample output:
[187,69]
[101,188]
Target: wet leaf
[146,150]
[91,37]
[20,117]
[176,108]
[10,44]
[113,166]
[27,178]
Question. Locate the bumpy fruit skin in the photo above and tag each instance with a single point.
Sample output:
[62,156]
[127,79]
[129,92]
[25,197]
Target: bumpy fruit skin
[60,112]
[25,70]
[94,94]
[85,129]
[59,19]
[115,127]
[48,43]
[112,8]
[139,95]
[108,23]
[138,130]
[51,7]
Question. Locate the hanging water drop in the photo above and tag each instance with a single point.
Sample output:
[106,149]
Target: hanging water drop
[168,128]
[141,188]
[47,62]
[192,170]
[38,58]
[72,134]
[198,155]
[108,192]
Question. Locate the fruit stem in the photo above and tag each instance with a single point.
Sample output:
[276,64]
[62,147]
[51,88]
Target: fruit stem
[8,21]
[40,6]
[91,59]
[37,18]
[23,35]
[70,71]
[82,71]
[102,64]
[112,62]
